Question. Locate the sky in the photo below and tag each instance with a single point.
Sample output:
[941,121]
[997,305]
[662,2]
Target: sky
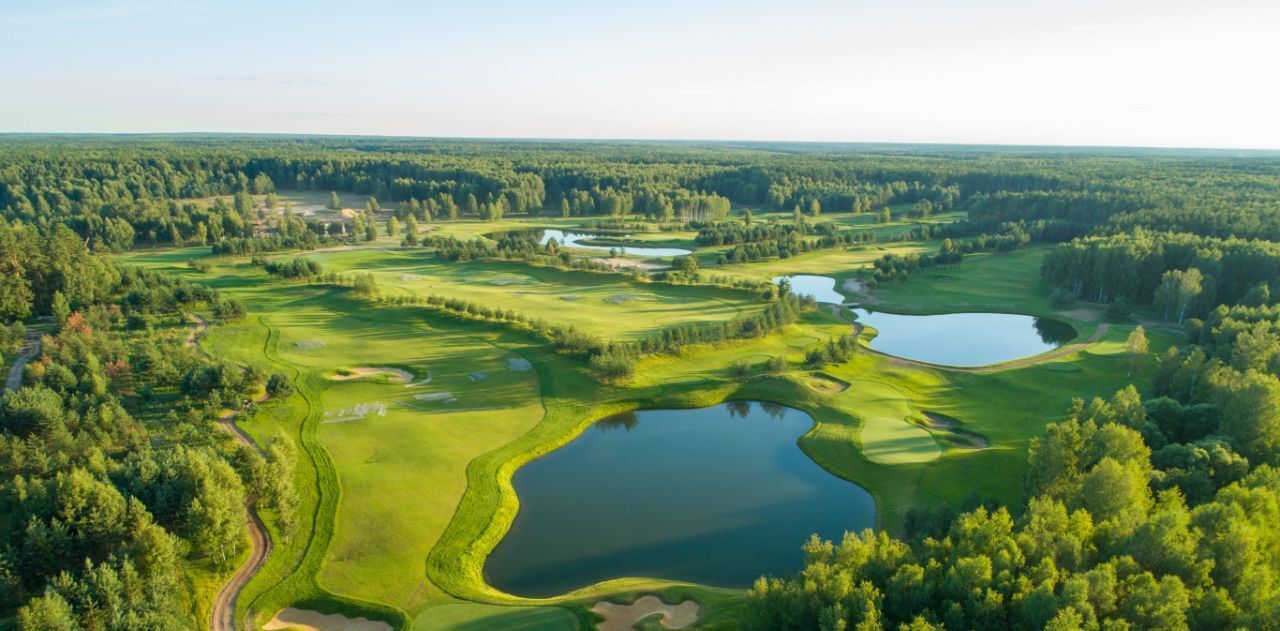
[1163,73]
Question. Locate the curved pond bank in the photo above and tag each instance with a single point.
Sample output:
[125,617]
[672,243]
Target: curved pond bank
[965,340]
[575,239]
[820,288]
[718,495]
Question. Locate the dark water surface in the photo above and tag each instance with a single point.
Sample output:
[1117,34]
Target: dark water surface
[965,339]
[717,495]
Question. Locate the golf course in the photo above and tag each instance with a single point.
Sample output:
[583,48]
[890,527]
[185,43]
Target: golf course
[413,420]
[412,385]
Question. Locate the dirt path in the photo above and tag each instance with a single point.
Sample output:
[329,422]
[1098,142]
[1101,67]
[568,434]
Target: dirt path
[30,347]
[1061,351]
[223,612]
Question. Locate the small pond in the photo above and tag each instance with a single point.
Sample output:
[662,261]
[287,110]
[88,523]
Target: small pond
[575,239]
[820,288]
[718,495]
[965,339]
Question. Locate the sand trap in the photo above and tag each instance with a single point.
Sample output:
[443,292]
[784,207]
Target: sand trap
[961,438]
[398,376]
[348,213]
[620,298]
[410,277]
[503,282]
[308,345]
[624,617]
[518,364]
[571,298]
[443,397]
[356,413]
[1082,313]
[426,380]
[315,621]
[618,261]
[478,376]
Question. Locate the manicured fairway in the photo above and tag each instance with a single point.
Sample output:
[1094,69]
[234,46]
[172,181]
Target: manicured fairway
[406,482]
[464,616]
[609,305]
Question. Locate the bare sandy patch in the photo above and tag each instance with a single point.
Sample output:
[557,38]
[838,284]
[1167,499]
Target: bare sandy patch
[307,620]
[620,262]
[443,397]
[377,408]
[962,439]
[1082,313]
[624,617]
[397,375]
[348,213]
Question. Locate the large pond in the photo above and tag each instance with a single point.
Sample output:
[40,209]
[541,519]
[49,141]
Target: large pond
[717,495]
[965,339]
[820,288]
[575,240]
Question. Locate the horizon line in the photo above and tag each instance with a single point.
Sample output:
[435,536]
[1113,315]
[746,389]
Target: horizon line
[626,140]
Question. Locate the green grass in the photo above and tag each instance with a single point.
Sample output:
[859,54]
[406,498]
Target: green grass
[466,616]
[399,511]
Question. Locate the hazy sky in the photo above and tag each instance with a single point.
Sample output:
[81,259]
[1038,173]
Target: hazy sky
[1115,72]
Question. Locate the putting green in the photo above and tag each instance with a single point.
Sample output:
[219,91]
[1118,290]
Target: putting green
[890,440]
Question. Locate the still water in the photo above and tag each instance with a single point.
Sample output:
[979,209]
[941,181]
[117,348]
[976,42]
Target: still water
[965,339]
[717,495]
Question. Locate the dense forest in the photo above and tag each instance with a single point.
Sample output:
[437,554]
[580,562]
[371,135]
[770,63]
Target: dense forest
[1151,510]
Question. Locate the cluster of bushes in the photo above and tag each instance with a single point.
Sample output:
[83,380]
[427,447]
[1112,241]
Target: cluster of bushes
[897,267]
[298,267]
[835,351]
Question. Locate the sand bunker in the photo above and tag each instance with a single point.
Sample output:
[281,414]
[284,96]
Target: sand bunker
[503,282]
[425,380]
[356,413]
[827,384]
[621,298]
[518,364]
[443,397]
[410,277]
[308,345]
[960,438]
[348,213]
[853,285]
[624,617]
[571,298]
[620,262]
[478,376]
[397,375]
[315,621]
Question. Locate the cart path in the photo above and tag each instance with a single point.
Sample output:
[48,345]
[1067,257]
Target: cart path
[222,615]
[30,346]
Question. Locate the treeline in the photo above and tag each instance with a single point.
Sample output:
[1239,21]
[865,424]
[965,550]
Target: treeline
[120,192]
[113,481]
[1143,267]
[1143,515]
[616,360]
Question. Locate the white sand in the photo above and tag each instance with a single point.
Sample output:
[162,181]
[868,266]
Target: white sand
[356,413]
[624,617]
[853,285]
[308,345]
[399,376]
[425,380]
[518,364]
[478,376]
[307,620]
[443,397]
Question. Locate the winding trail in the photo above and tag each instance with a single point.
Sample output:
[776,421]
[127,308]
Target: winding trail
[222,614]
[30,347]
